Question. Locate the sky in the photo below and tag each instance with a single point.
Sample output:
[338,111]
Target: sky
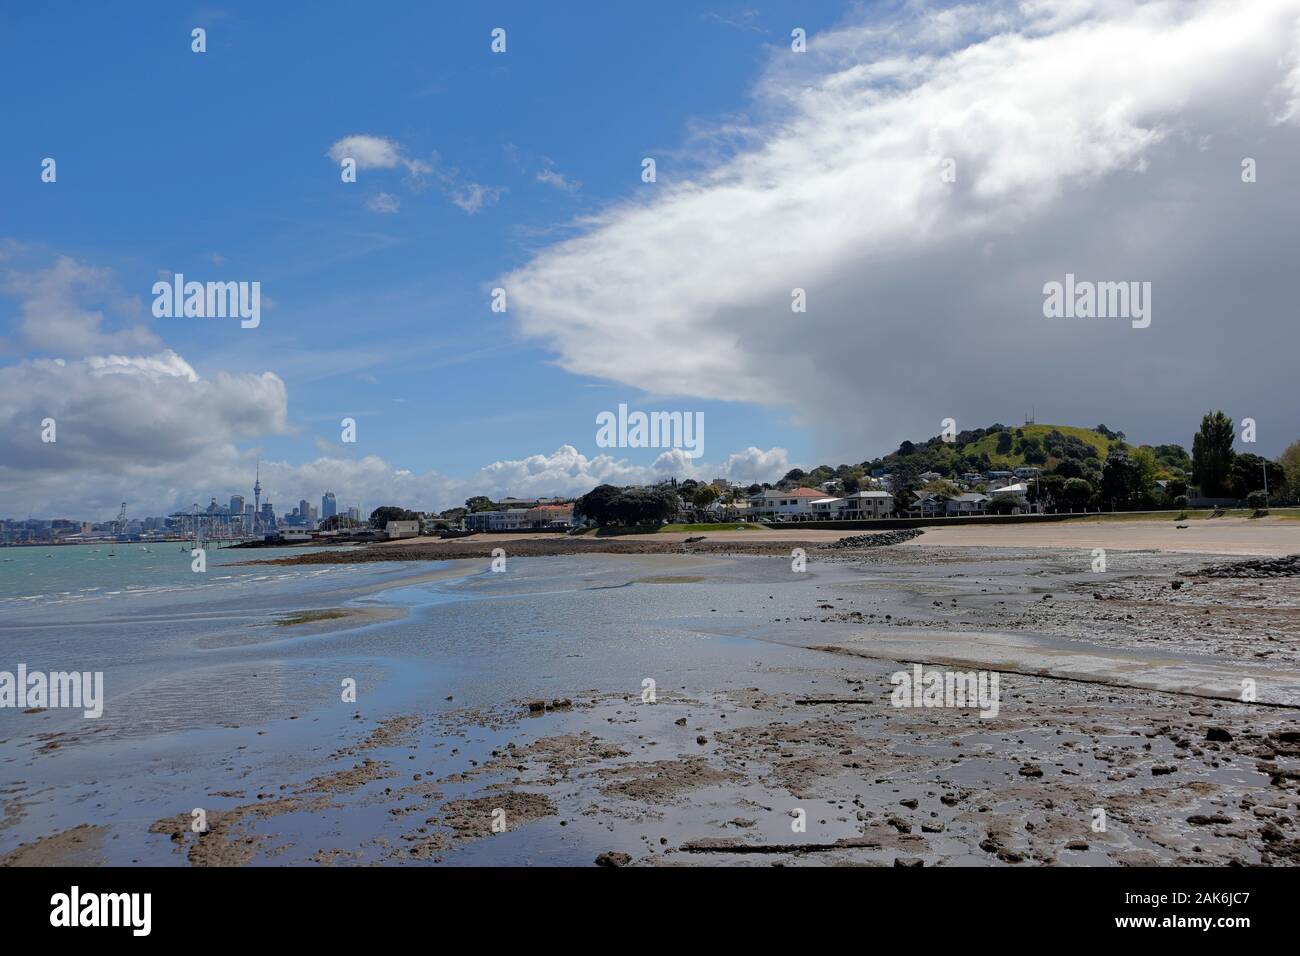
[919,170]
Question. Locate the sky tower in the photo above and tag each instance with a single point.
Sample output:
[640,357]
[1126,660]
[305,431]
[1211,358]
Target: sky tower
[257,497]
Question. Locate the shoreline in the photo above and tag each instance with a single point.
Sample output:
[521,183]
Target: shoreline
[1262,537]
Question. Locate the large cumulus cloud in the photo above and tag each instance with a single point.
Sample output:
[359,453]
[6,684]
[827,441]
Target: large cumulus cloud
[1099,137]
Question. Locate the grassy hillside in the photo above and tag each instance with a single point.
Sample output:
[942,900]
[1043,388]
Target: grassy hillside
[989,443]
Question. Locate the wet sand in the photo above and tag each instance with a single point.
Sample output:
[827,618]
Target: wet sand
[1118,739]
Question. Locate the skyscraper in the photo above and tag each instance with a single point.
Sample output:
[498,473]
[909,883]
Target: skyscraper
[328,506]
[257,496]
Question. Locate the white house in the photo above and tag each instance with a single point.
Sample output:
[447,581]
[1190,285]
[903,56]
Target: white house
[828,507]
[510,519]
[1015,493]
[777,503]
[402,529]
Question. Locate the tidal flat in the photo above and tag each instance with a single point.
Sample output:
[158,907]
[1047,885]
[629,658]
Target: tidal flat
[670,709]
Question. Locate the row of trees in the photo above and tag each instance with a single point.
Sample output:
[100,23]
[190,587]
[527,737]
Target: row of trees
[1221,472]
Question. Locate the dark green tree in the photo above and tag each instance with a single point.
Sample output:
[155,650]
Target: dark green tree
[594,506]
[1121,482]
[380,517]
[1212,455]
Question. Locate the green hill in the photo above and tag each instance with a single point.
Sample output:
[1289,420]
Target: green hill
[1014,459]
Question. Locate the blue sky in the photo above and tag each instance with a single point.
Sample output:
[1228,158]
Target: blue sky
[1102,139]
[168,159]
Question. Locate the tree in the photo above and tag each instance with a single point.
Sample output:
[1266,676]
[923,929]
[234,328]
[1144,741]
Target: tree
[1212,455]
[1069,468]
[380,517]
[641,506]
[941,486]
[478,503]
[1289,460]
[1247,475]
[1076,494]
[336,522]
[1005,504]
[1032,449]
[794,474]
[906,480]
[704,496]
[1257,500]
[1121,482]
[594,506]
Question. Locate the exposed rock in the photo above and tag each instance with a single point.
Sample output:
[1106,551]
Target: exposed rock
[1285,567]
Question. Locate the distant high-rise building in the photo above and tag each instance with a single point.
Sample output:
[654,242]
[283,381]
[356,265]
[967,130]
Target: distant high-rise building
[257,495]
[328,506]
[354,514]
[236,504]
[304,509]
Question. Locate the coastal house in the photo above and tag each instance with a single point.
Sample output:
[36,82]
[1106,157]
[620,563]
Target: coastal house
[968,504]
[929,504]
[402,529]
[867,504]
[826,508]
[776,503]
[1015,493]
[550,516]
[507,519]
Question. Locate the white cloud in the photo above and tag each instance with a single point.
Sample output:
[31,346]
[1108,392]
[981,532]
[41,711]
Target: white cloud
[551,176]
[92,475]
[383,203]
[472,197]
[56,314]
[1076,129]
[376,152]
[126,427]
